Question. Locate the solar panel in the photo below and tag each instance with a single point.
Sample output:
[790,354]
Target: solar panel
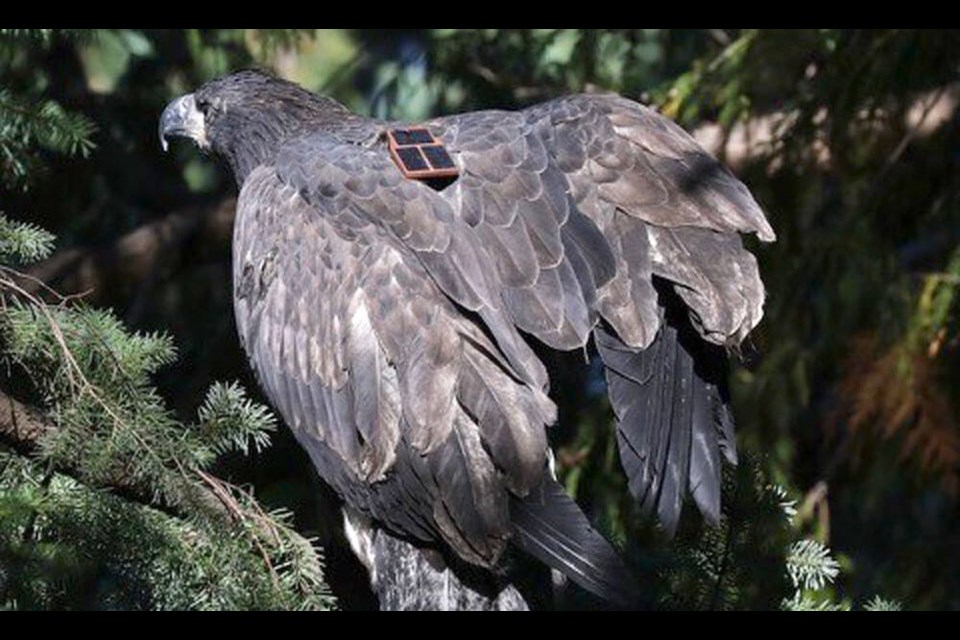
[420,156]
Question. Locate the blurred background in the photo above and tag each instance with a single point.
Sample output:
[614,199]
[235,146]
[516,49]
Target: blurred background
[846,396]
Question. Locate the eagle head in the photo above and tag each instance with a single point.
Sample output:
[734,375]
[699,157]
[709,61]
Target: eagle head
[245,117]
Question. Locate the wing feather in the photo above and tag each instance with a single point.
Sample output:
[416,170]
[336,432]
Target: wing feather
[358,345]
[619,198]
[388,328]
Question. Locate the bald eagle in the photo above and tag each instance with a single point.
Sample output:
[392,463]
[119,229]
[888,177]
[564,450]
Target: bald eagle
[392,321]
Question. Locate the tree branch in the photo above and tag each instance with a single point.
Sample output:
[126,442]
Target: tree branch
[119,269]
[22,427]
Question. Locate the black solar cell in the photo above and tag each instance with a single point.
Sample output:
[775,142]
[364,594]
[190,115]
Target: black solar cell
[421,136]
[411,158]
[401,136]
[412,136]
[438,157]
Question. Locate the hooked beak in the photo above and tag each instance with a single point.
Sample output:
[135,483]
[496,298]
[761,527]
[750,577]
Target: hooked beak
[181,118]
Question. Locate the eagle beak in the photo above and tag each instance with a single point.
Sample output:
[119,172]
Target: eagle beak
[181,118]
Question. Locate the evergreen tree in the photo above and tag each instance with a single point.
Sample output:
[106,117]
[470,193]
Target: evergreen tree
[106,499]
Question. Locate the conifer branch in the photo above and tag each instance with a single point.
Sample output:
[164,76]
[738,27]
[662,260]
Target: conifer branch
[22,428]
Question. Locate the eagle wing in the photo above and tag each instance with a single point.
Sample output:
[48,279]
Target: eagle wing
[386,320]
[371,325]
[599,217]
[615,193]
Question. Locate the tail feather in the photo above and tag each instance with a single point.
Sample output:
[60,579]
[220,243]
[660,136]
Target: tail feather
[673,415]
[550,526]
[703,481]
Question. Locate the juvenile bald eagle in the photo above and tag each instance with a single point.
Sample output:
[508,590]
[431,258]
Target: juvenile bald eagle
[390,320]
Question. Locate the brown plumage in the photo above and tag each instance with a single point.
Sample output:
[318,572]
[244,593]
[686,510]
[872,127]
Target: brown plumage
[389,322]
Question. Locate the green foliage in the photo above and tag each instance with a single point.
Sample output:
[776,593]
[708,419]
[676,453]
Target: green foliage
[804,602]
[848,139]
[42,37]
[96,379]
[811,568]
[112,505]
[113,427]
[756,558]
[879,604]
[738,564]
[66,545]
[272,41]
[479,67]
[716,83]
[810,565]
[26,127]
[936,316]
[30,125]
[22,242]
[228,420]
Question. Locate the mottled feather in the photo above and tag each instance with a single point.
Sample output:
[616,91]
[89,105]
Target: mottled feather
[389,321]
